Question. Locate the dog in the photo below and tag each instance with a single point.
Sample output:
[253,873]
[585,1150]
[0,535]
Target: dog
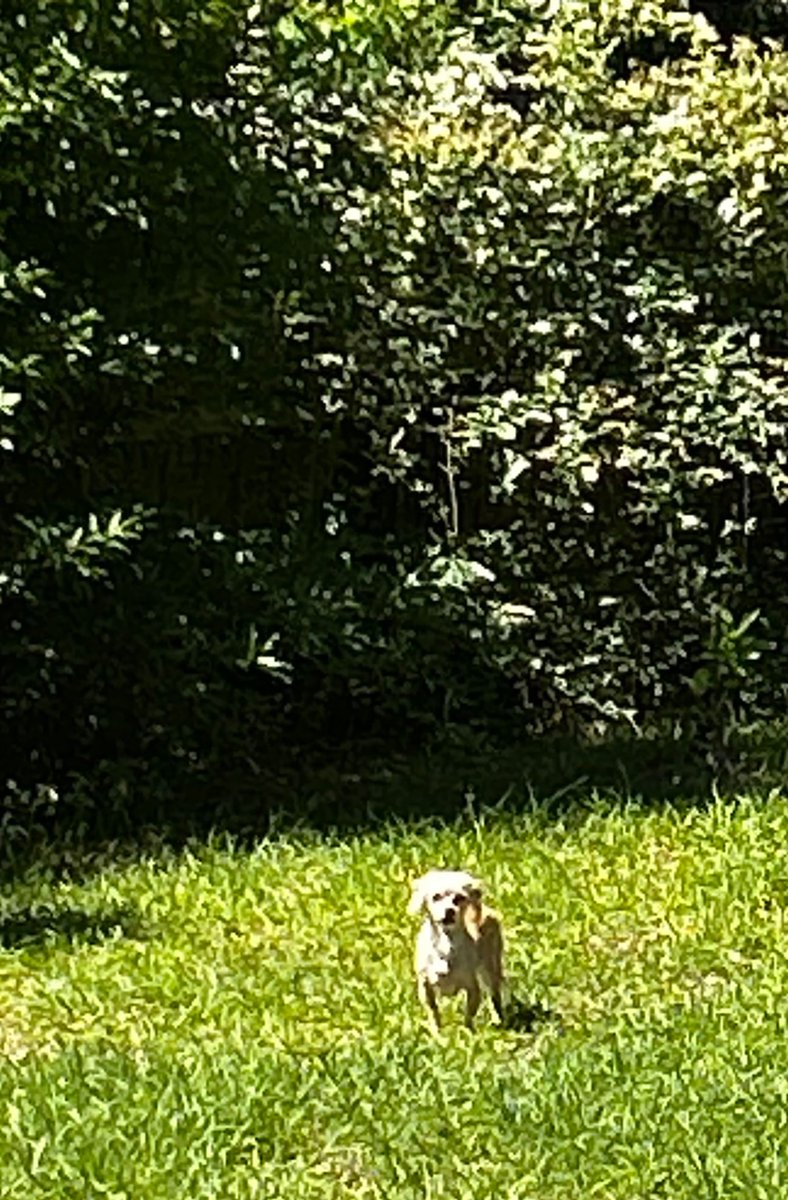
[459,944]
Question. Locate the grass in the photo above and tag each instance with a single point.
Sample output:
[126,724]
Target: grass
[227,1023]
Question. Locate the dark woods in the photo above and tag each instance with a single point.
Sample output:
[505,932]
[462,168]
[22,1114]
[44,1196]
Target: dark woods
[377,376]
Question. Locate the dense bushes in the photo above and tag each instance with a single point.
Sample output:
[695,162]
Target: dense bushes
[372,369]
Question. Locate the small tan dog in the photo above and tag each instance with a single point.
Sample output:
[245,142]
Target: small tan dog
[459,942]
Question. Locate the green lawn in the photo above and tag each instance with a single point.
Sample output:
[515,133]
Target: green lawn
[233,1023]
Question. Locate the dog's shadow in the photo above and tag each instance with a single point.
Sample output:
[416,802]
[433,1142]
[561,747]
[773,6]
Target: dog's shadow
[39,925]
[522,1017]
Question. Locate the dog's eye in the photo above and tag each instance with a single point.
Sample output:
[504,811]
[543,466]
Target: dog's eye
[459,899]
[436,898]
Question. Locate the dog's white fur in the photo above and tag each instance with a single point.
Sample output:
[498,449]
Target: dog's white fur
[459,943]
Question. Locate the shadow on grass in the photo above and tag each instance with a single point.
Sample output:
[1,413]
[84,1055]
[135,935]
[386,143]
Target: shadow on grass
[521,1017]
[454,774]
[40,925]
[463,775]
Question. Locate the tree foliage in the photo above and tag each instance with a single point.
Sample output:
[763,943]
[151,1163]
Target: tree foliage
[374,367]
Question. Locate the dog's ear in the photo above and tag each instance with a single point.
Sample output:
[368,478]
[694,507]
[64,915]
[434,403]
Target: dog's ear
[417,897]
[474,912]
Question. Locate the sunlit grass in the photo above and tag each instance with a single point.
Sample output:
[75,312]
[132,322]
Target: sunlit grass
[226,1023]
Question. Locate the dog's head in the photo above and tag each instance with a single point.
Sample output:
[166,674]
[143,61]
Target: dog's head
[446,896]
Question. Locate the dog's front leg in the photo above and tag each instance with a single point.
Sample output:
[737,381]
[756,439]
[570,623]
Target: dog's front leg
[494,980]
[491,965]
[473,998]
[430,1002]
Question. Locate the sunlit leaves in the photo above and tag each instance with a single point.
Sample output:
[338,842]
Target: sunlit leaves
[574,283]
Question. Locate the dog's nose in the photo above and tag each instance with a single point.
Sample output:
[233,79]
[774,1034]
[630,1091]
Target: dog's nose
[450,916]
